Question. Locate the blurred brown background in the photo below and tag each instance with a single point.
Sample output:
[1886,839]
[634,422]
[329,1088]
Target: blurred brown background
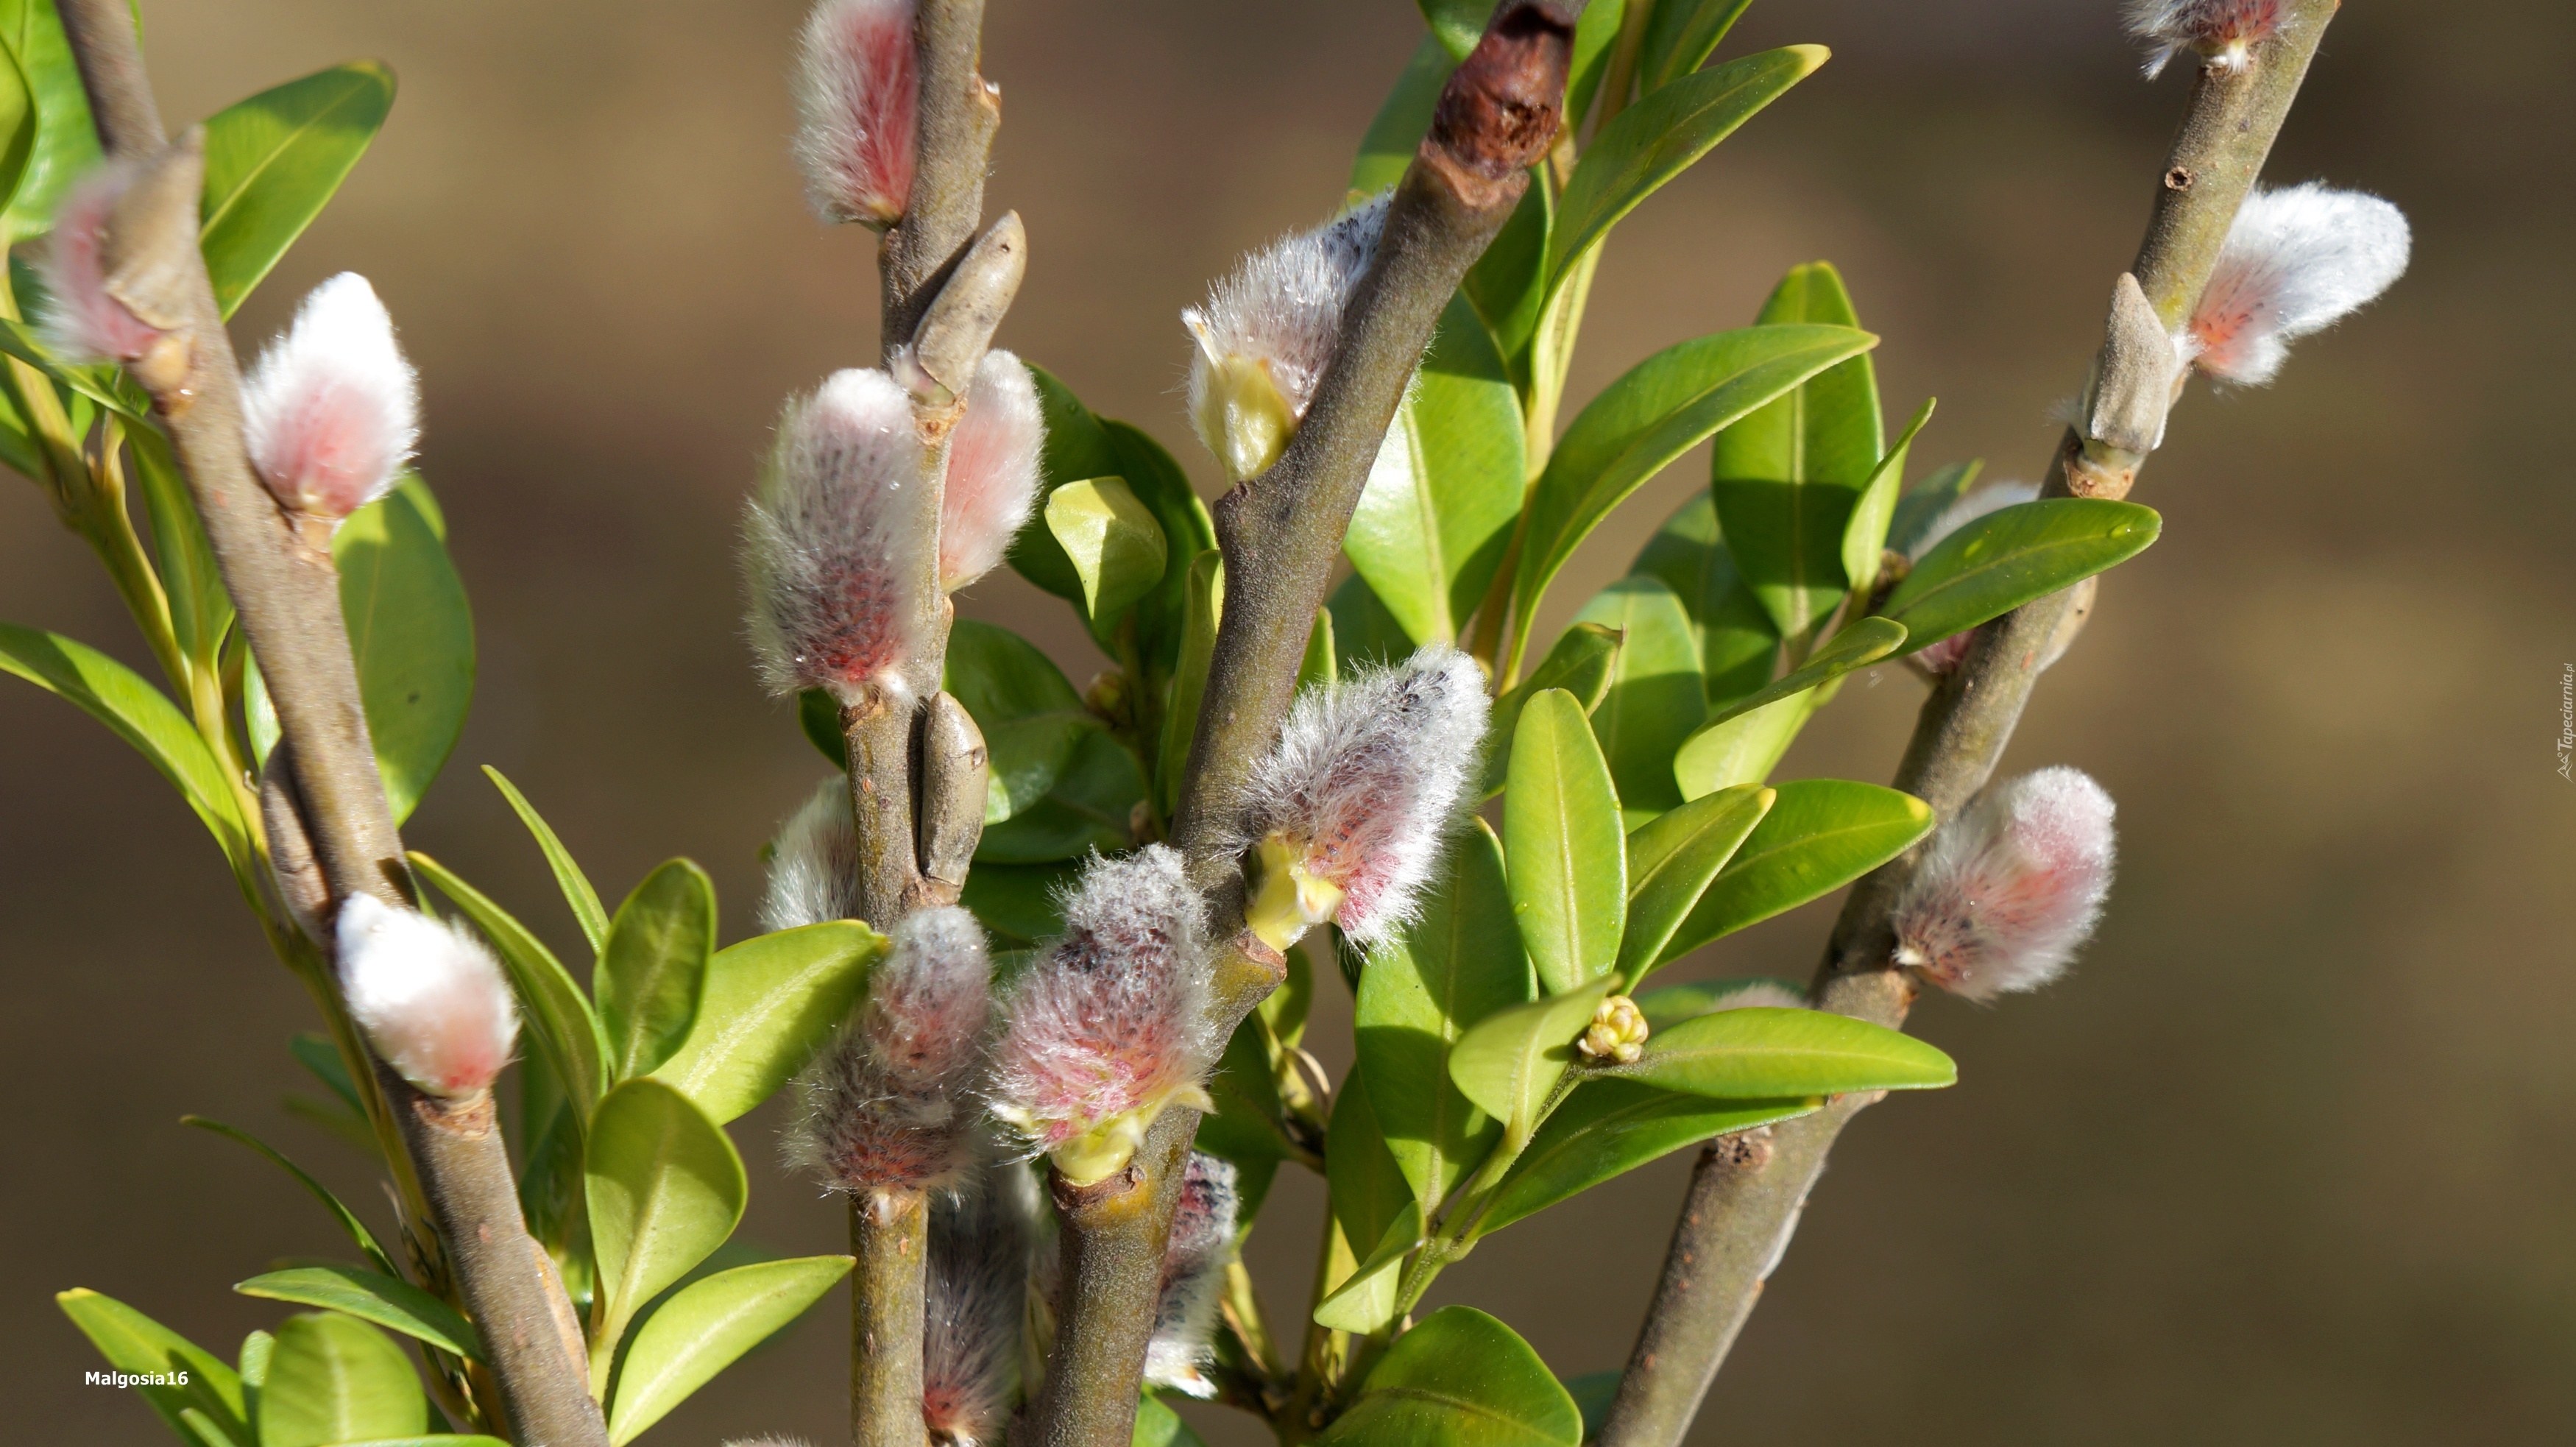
[2286,1161]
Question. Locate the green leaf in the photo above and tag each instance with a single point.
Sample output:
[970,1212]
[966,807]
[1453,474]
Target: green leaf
[1456,964]
[665,1189]
[1742,749]
[1788,477]
[1923,504]
[708,1325]
[315,1052]
[1505,284]
[575,885]
[1672,860]
[1092,806]
[1437,514]
[1658,138]
[1206,608]
[1511,1060]
[18,123]
[1737,644]
[1673,1004]
[1609,1127]
[770,1003]
[1363,631]
[412,636]
[1864,642]
[567,1033]
[334,1379]
[1160,1426]
[371,1296]
[1664,406]
[1031,717]
[1077,446]
[1596,36]
[1116,546]
[1761,1053]
[1018,901]
[818,716]
[133,1342]
[2013,555]
[1865,536]
[1820,835]
[1367,1301]
[1567,852]
[1459,1379]
[1592,1393]
[1581,664]
[99,383]
[1246,1126]
[1164,488]
[272,163]
[134,711]
[348,1220]
[1456,24]
[66,141]
[1320,668]
[1366,1187]
[1655,698]
[654,967]
[1681,38]
[201,612]
[1403,118]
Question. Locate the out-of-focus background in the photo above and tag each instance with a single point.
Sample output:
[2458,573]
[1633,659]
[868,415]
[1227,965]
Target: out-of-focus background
[2287,1160]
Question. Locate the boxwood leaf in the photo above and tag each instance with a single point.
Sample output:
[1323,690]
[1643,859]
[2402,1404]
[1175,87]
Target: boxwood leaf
[349,1223]
[1018,902]
[1672,860]
[1761,1052]
[1156,1424]
[1737,644]
[411,634]
[1509,1061]
[705,1327]
[1366,1188]
[1864,642]
[566,1030]
[1403,118]
[665,1189]
[1655,699]
[653,969]
[1672,1004]
[1608,1127]
[1865,535]
[133,1342]
[1505,284]
[1568,860]
[576,887]
[1117,548]
[1030,715]
[1820,835]
[1460,1378]
[272,163]
[2013,555]
[1205,599]
[1922,504]
[334,1379]
[1091,806]
[374,1296]
[1366,1301]
[1581,664]
[1682,36]
[65,144]
[134,711]
[769,1003]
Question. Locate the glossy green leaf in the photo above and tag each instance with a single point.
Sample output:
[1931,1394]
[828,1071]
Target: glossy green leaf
[1368,1300]
[1864,642]
[577,892]
[1581,664]
[133,1342]
[273,161]
[1658,138]
[1206,607]
[1158,1425]
[1160,483]
[705,1327]
[1437,514]
[1673,1004]
[1366,1187]
[348,1221]
[1744,748]
[1363,631]
[1403,118]
[411,633]
[1456,24]
[1459,1379]
[1865,535]
[1030,715]
[1117,548]
[1596,37]
[374,1296]
[1820,835]
[1019,901]
[134,711]
[315,1052]
[1663,407]
[334,1379]
[1458,962]
[65,144]
[1567,851]
[1609,1127]
[201,612]
[1077,446]
[1737,643]
[1761,1053]
[770,1002]
[1672,860]
[1511,1060]
[1922,504]
[1592,1393]
[1505,285]
[1655,698]
[2013,555]
[256,1350]
[665,1188]
[1682,36]
[818,716]
[654,967]
[1092,806]
[1246,1125]
[567,1032]
[1321,667]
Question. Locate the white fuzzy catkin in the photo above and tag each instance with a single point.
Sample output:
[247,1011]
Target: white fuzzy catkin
[975,1306]
[81,322]
[1763,995]
[2295,261]
[814,862]
[429,996]
[331,411]
[1194,1263]
[857,100]
[993,462]
[887,1106]
[2222,31]
[1277,314]
[1366,780]
[829,544]
[1937,659]
[2010,889]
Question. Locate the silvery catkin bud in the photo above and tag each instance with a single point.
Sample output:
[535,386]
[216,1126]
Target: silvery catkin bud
[992,470]
[2010,889]
[2223,32]
[857,100]
[1352,806]
[1267,331]
[2295,261]
[1108,1025]
[828,544]
[428,995]
[331,411]
[813,862]
[976,1304]
[887,1105]
[1202,1243]
[81,322]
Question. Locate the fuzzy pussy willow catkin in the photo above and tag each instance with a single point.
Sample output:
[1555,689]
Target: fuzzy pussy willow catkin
[1266,332]
[888,1105]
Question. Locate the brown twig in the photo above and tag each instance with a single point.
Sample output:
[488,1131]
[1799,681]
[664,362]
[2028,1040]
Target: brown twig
[890,1236]
[1735,1217]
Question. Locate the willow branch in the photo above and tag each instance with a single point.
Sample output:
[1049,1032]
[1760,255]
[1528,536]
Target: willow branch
[890,1236]
[1742,1205]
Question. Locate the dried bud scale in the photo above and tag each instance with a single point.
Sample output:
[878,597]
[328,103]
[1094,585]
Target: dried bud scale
[331,411]
[1194,1263]
[857,103]
[976,1290]
[886,1107]
[1353,804]
[1937,659]
[2222,32]
[81,322]
[1266,332]
[1108,1025]
[814,862]
[2010,889]
[992,470]
[829,548]
[2295,261]
[1617,1034]
[429,996]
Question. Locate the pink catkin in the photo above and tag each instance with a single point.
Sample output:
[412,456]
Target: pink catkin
[2224,31]
[2010,889]
[885,1106]
[992,470]
[857,98]
[2296,261]
[428,995]
[1201,1243]
[976,1304]
[81,321]
[331,411]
